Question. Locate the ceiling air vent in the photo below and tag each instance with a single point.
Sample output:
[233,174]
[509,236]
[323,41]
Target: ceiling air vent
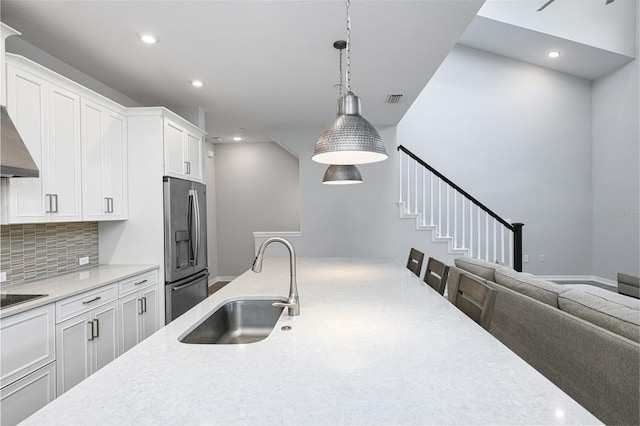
[393,99]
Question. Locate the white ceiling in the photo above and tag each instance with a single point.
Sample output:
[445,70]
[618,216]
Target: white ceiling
[264,63]
[268,63]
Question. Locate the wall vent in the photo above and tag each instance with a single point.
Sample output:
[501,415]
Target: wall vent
[393,99]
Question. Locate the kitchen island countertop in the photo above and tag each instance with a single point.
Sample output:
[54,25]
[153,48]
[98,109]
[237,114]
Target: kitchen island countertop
[373,345]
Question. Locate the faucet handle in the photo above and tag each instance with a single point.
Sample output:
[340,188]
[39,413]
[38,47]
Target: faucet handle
[283,304]
[292,305]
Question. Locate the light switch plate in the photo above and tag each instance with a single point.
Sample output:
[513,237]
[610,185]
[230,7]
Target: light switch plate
[3,277]
[83,260]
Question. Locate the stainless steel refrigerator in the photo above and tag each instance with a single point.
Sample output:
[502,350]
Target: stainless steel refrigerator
[185,246]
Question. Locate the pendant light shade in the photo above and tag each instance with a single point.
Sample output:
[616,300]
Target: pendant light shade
[343,174]
[350,139]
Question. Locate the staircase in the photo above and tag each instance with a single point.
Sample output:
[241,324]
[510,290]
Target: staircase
[453,216]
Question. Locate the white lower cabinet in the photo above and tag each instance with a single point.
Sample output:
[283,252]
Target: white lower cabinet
[24,397]
[27,362]
[47,350]
[139,309]
[84,344]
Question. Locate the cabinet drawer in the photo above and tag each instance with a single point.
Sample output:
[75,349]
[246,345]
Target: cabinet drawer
[138,282]
[28,342]
[84,302]
[24,397]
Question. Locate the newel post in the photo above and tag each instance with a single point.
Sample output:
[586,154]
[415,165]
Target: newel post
[517,246]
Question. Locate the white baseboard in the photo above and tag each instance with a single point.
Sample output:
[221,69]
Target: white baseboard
[213,280]
[579,278]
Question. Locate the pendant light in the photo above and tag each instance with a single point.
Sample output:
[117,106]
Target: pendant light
[341,174]
[350,139]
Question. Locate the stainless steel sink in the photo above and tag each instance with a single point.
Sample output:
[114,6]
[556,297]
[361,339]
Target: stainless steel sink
[240,321]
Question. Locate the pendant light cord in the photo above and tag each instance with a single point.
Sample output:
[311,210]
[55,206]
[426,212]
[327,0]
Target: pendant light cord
[348,47]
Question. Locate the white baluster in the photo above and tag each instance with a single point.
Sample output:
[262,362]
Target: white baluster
[415,186]
[479,254]
[455,220]
[423,218]
[471,251]
[431,197]
[464,235]
[448,216]
[401,154]
[495,247]
[408,186]
[486,235]
[502,244]
[439,207]
[511,249]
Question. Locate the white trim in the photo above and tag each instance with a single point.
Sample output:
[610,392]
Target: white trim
[579,278]
[268,234]
[213,280]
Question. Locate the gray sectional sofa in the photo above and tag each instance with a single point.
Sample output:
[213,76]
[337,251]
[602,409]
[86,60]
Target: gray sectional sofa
[583,342]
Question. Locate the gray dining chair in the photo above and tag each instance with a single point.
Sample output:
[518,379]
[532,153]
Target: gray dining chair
[476,299]
[414,264]
[436,275]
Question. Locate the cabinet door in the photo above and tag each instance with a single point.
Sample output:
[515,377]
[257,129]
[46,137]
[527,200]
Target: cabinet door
[64,155]
[24,397]
[116,154]
[130,312]
[151,314]
[105,342]
[26,105]
[94,201]
[194,157]
[73,358]
[174,151]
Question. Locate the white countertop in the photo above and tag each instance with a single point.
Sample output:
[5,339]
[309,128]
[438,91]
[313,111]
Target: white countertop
[67,285]
[373,345]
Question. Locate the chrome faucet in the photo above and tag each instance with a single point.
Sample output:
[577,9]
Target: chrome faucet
[293,303]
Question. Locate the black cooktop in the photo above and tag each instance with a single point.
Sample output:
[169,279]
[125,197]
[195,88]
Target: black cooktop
[7,300]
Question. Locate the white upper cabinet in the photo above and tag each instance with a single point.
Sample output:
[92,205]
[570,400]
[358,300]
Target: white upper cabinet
[47,116]
[182,150]
[104,162]
[78,140]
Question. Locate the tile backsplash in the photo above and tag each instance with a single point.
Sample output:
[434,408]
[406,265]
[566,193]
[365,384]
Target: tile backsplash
[35,251]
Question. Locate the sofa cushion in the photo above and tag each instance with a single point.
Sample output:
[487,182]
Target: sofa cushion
[478,267]
[621,299]
[544,291]
[612,316]
[629,279]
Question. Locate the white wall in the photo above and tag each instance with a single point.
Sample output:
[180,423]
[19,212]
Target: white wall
[517,137]
[256,190]
[616,176]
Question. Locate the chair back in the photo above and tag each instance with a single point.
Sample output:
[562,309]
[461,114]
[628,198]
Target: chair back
[436,275]
[414,264]
[476,299]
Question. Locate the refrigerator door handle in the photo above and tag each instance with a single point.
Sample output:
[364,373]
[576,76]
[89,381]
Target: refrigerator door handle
[197,217]
[190,226]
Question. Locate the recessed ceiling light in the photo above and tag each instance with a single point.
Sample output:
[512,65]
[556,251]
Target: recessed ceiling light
[197,83]
[148,38]
[237,138]
[553,54]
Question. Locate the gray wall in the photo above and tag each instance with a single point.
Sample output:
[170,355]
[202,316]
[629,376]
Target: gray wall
[212,230]
[256,190]
[616,176]
[518,138]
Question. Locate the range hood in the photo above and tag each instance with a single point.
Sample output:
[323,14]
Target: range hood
[15,160]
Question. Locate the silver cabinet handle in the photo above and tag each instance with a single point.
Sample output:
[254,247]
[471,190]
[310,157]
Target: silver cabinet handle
[144,304]
[140,311]
[86,302]
[140,282]
[49,202]
[110,205]
[97,322]
[55,196]
[91,336]
[106,210]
